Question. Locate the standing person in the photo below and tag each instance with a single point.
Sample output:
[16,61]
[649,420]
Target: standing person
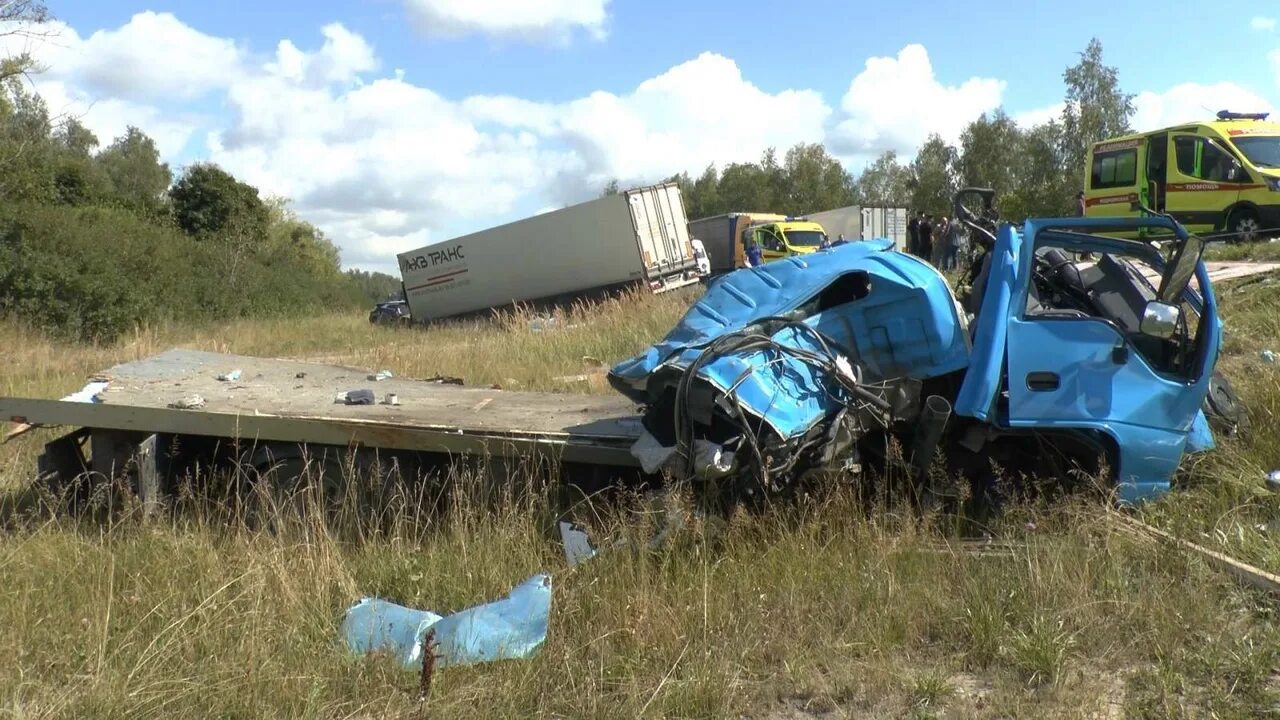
[913,234]
[952,239]
[926,239]
[755,258]
[1080,204]
[826,242]
[939,254]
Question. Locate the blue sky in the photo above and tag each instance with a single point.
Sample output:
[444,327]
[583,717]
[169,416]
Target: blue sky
[393,123]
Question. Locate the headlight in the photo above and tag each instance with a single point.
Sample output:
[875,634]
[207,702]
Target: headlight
[1274,184]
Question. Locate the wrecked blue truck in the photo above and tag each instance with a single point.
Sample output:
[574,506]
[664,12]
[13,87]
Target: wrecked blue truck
[1067,353]
[1061,359]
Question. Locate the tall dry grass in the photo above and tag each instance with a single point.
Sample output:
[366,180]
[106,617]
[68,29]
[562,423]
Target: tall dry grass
[819,609]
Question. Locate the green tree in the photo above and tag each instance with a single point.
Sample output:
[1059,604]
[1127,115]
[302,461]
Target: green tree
[932,180]
[814,181]
[138,177]
[745,187]
[704,198]
[991,153]
[207,201]
[27,155]
[883,183]
[1096,109]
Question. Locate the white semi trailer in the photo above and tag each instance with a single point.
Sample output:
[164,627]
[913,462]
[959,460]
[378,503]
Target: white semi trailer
[856,222]
[636,237]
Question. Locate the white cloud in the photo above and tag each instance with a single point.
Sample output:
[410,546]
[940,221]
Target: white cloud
[1274,56]
[699,112]
[383,166]
[529,18]
[154,55]
[1265,24]
[895,103]
[1028,119]
[1191,102]
[344,56]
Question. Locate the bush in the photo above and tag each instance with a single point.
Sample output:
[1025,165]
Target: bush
[93,273]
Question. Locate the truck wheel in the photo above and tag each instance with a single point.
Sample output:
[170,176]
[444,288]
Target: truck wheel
[1223,409]
[1243,226]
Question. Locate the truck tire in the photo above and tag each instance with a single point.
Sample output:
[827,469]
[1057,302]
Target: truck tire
[1223,409]
[1243,225]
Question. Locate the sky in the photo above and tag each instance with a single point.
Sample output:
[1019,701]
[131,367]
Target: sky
[392,124]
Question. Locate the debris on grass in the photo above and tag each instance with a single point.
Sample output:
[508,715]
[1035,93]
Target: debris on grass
[577,546]
[363,396]
[511,628]
[190,402]
[381,375]
[231,376]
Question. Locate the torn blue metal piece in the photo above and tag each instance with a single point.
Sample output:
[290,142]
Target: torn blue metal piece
[907,325]
[1200,438]
[511,628]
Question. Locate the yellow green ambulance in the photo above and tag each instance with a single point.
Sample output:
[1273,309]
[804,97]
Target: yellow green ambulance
[1218,176]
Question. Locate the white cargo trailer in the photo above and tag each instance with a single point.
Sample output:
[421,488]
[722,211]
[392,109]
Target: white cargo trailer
[635,237]
[864,223]
[885,222]
[846,221]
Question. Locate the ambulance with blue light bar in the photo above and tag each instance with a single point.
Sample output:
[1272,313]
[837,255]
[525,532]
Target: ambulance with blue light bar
[1216,177]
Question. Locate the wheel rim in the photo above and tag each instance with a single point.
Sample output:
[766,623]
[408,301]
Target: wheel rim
[1247,228]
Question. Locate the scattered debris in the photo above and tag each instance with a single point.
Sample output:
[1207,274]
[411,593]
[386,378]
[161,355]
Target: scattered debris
[571,379]
[540,324]
[391,399]
[1273,481]
[481,405]
[91,393]
[1268,357]
[511,628]
[364,396]
[381,375]
[577,546]
[443,380]
[190,402]
[232,376]
[592,361]
[300,375]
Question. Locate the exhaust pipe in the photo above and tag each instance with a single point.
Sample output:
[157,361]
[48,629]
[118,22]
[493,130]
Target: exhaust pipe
[932,423]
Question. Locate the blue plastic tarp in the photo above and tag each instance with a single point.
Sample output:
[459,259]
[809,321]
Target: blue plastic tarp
[510,628]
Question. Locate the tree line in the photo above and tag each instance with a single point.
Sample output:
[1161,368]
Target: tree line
[1035,171]
[95,241]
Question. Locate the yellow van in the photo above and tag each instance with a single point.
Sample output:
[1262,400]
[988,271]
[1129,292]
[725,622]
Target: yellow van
[786,237]
[1222,175]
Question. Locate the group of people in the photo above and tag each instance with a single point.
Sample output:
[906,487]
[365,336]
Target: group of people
[940,242]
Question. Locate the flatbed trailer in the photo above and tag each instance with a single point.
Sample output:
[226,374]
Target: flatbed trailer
[280,408]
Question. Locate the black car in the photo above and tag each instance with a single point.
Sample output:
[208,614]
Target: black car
[392,312]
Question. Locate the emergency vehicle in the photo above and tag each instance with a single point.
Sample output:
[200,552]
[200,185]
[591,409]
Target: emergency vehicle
[1221,175]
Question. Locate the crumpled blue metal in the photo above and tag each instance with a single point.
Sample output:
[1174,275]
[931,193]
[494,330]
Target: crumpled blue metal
[510,628]
[907,326]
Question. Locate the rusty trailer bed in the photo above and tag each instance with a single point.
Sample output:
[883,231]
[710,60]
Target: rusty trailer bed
[293,401]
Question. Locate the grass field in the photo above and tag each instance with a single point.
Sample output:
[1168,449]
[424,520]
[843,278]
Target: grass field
[813,611]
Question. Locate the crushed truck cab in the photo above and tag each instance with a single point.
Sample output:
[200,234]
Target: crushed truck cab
[1069,359]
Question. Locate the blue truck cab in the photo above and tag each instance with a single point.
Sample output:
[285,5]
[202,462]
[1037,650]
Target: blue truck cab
[1067,357]
[1123,360]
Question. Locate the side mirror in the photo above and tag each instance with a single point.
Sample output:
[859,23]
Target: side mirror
[1234,172]
[1160,319]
